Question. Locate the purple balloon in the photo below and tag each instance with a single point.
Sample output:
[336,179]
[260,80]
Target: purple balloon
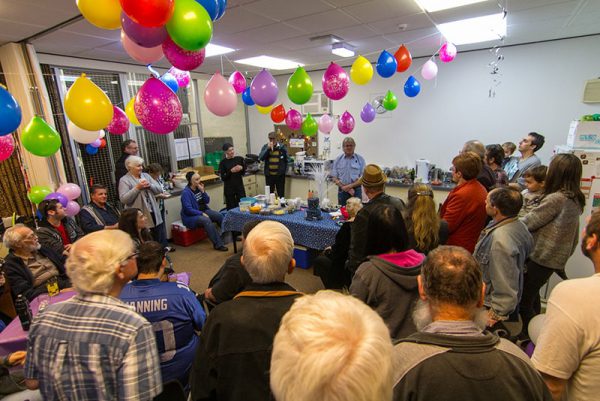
[157,107]
[185,60]
[143,35]
[72,208]
[263,89]
[346,123]
[96,143]
[293,119]
[120,123]
[59,197]
[368,113]
[336,82]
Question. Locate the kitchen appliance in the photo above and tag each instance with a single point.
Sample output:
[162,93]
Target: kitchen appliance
[422,171]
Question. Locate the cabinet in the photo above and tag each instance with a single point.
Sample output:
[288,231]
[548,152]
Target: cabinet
[250,185]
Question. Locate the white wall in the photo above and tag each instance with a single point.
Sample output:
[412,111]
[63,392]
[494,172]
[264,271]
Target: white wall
[541,90]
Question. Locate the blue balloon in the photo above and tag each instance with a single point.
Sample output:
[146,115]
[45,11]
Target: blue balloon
[246,98]
[211,7]
[222,7]
[10,112]
[90,150]
[169,80]
[412,87]
[386,64]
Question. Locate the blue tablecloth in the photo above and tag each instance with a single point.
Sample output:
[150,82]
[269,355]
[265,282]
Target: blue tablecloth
[311,234]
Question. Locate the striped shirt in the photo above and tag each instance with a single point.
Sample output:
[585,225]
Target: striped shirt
[274,161]
[93,347]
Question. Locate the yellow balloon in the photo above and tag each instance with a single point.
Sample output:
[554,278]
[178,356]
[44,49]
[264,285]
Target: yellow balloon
[87,106]
[361,71]
[129,110]
[105,14]
[264,110]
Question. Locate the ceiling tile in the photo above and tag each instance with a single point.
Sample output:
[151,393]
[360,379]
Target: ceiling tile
[83,27]
[392,25]
[283,10]
[238,20]
[61,37]
[376,10]
[323,22]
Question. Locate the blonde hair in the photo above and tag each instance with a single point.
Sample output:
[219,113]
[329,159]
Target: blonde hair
[331,347]
[423,222]
[268,251]
[353,205]
[94,258]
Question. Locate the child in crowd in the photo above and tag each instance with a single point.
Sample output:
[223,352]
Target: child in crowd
[534,182]
[509,148]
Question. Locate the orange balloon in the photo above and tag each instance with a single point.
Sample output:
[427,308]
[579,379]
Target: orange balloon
[403,58]
[278,114]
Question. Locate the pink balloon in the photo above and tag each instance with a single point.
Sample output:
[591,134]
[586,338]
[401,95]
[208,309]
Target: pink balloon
[7,146]
[72,208]
[183,77]
[96,143]
[119,124]
[429,70]
[71,191]
[238,81]
[157,107]
[346,123]
[219,96]
[325,124]
[293,119]
[146,55]
[336,82]
[186,60]
[447,52]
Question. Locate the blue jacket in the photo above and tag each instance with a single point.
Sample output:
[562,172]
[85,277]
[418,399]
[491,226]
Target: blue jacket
[190,208]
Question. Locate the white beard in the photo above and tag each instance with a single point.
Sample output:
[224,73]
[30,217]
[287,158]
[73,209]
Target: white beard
[422,316]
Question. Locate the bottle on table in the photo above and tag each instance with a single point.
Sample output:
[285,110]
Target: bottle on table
[23,311]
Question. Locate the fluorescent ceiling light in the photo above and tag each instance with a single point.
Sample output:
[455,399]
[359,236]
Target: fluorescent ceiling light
[342,49]
[216,50]
[272,63]
[474,30]
[437,5]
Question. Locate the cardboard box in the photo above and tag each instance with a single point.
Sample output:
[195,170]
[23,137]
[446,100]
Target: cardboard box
[584,135]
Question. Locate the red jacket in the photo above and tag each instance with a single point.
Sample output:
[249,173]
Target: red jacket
[464,210]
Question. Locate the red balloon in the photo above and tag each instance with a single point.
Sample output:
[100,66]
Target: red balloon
[149,13]
[403,58]
[102,143]
[278,114]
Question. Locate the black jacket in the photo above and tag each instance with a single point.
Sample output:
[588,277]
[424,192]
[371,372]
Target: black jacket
[120,169]
[50,237]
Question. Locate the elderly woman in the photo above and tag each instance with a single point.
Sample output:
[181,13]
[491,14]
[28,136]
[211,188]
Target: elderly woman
[138,190]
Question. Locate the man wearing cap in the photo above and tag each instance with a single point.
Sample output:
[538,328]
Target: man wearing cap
[346,171]
[231,170]
[275,157]
[373,182]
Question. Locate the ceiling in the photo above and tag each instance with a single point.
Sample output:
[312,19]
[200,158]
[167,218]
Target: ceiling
[284,28]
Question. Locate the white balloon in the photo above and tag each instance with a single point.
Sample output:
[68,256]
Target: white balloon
[536,325]
[102,134]
[83,136]
[429,70]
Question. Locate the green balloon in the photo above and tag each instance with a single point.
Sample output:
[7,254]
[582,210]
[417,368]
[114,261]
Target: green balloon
[40,139]
[309,125]
[37,193]
[390,101]
[596,117]
[587,117]
[190,27]
[299,87]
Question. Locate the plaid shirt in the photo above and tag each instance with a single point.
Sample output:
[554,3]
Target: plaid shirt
[93,347]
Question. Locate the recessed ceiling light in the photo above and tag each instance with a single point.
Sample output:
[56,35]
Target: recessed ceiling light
[475,30]
[272,63]
[342,49]
[216,50]
[437,5]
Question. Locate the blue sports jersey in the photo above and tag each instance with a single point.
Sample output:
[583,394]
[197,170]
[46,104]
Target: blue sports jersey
[175,314]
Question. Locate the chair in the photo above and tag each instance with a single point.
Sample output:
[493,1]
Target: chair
[172,391]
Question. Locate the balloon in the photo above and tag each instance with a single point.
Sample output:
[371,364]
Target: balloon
[429,70]
[39,138]
[59,197]
[219,96]
[238,81]
[368,113]
[104,14]
[536,325]
[119,124]
[96,143]
[412,87]
[211,7]
[335,82]
[309,126]
[293,119]
[157,107]
[361,71]
[81,135]
[386,64]
[299,86]
[278,114]
[222,7]
[10,112]
[90,150]
[403,58]
[325,124]
[87,105]
[130,112]
[170,81]
[346,123]
[7,146]
[191,26]
[71,191]
[146,55]
[596,117]
[103,134]
[72,208]
[183,77]
[37,193]
[182,59]
[447,52]
[142,35]
[263,89]
[149,12]
[246,98]
[264,110]
[390,101]
[102,143]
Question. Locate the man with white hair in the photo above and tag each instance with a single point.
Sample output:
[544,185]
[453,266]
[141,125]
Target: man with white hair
[331,347]
[93,346]
[452,357]
[346,171]
[233,359]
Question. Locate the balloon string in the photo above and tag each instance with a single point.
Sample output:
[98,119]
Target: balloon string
[153,71]
[222,70]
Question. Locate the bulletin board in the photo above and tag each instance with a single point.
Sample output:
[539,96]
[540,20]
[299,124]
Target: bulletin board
[293,139]
[213,144]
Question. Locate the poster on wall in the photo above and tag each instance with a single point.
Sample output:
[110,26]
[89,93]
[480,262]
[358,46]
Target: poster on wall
[182,151]
[195,147]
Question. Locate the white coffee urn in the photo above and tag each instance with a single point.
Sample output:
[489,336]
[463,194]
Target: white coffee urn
[422,171]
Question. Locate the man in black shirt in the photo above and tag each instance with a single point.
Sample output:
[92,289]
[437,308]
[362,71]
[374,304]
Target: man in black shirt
[128,148]
[232,169]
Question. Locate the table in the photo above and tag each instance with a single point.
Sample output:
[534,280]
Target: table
[312,234]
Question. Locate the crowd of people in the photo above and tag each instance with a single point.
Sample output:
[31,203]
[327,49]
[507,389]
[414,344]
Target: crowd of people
[415,297]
